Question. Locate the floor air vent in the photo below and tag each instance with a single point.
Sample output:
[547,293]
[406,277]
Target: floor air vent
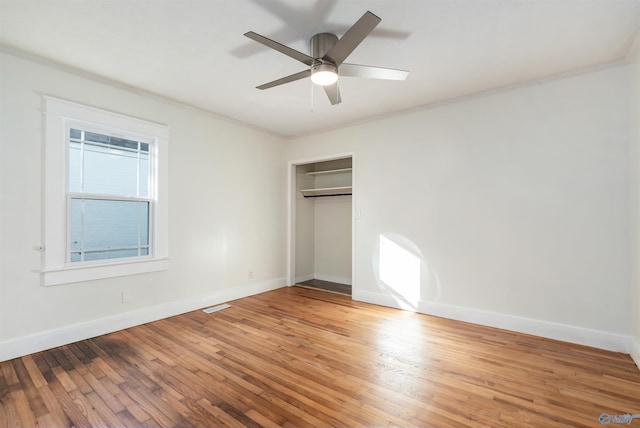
[216,308]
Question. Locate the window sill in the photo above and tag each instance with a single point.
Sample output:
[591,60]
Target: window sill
[71,274]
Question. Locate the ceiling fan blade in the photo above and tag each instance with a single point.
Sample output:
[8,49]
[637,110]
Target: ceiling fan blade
[297,55]
[352,38]
[282,81]
[333,93]
[354,70]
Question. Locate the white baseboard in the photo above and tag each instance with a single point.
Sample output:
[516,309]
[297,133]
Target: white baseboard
[566,333]
[15,348]
[634,351]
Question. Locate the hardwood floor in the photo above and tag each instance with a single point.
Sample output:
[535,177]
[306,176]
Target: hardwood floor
[300,357]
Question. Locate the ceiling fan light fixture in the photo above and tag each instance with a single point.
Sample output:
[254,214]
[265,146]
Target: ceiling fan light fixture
[327,55]
[324,74]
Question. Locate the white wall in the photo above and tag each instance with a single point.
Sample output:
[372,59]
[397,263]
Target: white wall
[305,228]
[227,213]
[323,238]
[332,228]
[515,205]
[332,240]
[635,206]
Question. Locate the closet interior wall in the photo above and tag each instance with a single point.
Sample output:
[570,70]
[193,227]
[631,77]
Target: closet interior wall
[323,223]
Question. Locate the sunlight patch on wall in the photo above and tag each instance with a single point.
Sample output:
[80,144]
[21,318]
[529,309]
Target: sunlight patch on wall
[399,269]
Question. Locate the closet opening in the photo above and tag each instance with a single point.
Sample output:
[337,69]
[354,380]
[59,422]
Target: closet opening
[321,208]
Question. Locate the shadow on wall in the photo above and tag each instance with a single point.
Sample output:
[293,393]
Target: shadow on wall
[403,273]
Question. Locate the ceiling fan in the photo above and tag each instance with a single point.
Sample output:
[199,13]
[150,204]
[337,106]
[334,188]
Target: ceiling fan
[326,62]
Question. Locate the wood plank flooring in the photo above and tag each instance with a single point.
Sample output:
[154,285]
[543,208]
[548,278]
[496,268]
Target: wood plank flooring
[296,357]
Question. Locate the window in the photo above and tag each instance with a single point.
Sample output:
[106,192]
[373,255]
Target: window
[105,204]
[109,196]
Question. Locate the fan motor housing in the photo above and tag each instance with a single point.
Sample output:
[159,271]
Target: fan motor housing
[321,43]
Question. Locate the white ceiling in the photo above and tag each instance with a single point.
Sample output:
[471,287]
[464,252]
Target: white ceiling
[194,51]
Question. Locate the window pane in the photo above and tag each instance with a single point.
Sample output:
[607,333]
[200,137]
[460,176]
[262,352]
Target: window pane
[75,134]
[110,171]
[75,166]
[106,229]
[123,143]
[109,254]
[98,138]
[75,235]
[144,175]
[106,165]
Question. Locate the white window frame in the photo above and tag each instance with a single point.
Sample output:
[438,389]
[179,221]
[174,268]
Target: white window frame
[59,116]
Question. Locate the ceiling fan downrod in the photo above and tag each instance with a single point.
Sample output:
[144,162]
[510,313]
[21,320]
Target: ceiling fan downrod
[321,43]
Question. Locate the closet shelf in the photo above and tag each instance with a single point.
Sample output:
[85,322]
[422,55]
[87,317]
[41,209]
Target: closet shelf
[329,171]
[326,191]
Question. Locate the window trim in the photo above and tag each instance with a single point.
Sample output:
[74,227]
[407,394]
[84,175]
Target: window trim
[59,114]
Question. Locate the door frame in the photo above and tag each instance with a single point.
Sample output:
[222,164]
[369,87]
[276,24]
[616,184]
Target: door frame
[291,212]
